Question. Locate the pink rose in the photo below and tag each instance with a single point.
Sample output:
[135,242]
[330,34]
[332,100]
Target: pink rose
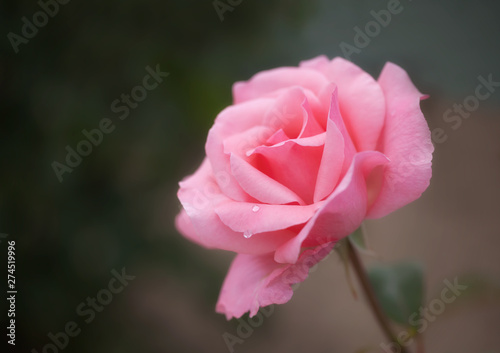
[300,159]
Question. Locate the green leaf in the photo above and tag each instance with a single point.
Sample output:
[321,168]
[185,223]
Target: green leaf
[399,289]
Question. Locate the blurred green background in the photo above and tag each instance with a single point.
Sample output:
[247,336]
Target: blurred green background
[116,208]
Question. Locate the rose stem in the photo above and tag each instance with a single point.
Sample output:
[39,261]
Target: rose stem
[370,294]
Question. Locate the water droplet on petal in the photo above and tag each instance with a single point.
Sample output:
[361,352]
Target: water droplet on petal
[255,208]
[247,234]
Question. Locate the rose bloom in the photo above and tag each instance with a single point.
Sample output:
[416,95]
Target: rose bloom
[300,159]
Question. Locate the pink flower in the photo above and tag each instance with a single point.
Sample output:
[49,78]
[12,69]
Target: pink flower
[300,159]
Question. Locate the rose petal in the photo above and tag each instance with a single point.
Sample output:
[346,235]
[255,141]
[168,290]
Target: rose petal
[258,281]
[310,126]
[260,186]
[252,218]
[277,137]
[315,63]
[337,154]
[185,227]
[200,195]
[406,142]
[292,113]
[243,143]
[335,116]
[231,121]
[361,99]
[267,82]
[342,212]
[292,164]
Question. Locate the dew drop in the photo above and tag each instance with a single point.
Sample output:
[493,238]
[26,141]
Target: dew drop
[247,234]
[255,208]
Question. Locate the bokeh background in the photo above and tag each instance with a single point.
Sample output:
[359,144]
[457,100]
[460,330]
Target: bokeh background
[116,208]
